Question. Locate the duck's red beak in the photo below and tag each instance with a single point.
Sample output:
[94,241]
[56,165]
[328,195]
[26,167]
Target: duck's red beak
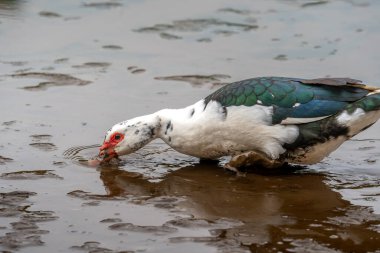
[107,152]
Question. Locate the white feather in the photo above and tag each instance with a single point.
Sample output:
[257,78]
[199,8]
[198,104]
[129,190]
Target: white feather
[210,133]
[289,121]
[347,119]
[373,92]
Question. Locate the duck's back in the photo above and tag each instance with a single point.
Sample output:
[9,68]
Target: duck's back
[326,111]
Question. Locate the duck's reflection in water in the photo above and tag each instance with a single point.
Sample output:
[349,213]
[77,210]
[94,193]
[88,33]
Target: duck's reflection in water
[271,212]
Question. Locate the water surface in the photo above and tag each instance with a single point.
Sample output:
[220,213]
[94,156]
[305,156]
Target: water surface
[69,70]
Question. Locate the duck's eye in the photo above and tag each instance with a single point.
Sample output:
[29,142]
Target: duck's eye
[117,137]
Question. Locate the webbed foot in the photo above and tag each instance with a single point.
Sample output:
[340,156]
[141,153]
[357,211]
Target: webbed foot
[234,170]
[255,159]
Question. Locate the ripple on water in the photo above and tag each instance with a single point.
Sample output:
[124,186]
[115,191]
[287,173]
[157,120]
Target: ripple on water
[90,196]
[136,70]
[44,146]
[9,123]
[314,3]
[24,231]
[163,202]
[61,60]
[93,246]
[196,80]
[41,142]
[41,137]
[93,65]
[112,47]
[4,159]
[195,26]
[156,160]
[50,80]
[30,175]
[194,239]
[157,230]
[152,162]
[235,11]
[111,220]
[82,154]
[49,14]
[103,5]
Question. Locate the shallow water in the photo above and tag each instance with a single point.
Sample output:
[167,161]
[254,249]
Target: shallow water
[69,70]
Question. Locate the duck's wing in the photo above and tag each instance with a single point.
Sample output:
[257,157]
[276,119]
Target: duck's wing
[294,100]
[337,81]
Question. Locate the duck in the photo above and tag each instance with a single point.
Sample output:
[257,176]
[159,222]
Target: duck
[261,122]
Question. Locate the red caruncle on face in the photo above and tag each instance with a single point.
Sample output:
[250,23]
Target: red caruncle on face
[107,150]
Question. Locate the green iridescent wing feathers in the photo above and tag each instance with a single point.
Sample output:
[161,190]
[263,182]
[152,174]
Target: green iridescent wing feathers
[292,97]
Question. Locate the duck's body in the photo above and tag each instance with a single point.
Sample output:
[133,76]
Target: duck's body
[211,131]
[266,121]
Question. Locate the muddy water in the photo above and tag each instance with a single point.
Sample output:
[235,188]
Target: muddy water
[70,69]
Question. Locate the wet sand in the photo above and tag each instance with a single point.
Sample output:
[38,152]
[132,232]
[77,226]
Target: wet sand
[69,70]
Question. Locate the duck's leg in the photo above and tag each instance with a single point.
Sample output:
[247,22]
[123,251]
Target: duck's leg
[252,158]
[233,169]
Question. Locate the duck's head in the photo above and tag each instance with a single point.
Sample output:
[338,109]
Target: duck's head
[128,136]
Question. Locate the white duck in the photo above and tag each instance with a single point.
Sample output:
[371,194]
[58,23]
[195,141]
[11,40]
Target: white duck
[263,122]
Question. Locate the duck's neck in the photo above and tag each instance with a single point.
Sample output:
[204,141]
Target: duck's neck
[167,124]
[177,120]
[189,130]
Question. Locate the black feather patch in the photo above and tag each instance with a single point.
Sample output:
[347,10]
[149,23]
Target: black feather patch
[192,112]
[317,132]
[168,125]
[151,131]
[225,112]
